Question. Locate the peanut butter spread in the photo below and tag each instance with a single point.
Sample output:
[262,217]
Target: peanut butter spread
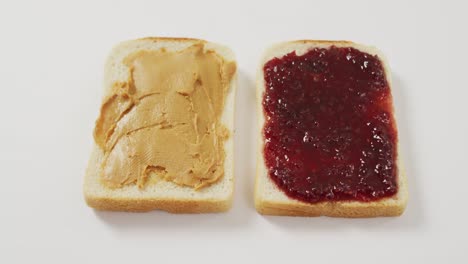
[165,121]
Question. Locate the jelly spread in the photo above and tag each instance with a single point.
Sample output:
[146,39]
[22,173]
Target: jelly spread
[165,120]
[329,129]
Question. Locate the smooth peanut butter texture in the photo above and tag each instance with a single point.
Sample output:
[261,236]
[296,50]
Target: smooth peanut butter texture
[165,121]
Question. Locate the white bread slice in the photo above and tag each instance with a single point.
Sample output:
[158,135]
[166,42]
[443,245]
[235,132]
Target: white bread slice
[270,200]
[163,195]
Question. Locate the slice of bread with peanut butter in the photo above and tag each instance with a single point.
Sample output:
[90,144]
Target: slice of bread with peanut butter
[164,136]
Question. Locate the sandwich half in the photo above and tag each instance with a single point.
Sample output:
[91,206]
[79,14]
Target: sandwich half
[164,136]
[328,141]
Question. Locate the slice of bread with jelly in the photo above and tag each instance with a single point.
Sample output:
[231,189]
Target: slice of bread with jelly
[160,83]
[328,141]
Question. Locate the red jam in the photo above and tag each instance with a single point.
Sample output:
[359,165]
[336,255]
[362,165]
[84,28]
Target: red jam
[329,132]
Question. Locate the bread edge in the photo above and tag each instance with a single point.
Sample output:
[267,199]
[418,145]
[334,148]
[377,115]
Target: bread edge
[391,206]
[174,205]
[177,206]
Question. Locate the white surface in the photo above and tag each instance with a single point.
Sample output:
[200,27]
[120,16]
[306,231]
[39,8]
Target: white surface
[51,66]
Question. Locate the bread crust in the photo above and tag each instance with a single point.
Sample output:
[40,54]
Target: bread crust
[328,209]
[177,206]
[270,200]
[165,196]
[170,39]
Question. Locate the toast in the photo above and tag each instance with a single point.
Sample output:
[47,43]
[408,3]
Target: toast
[163,195]
[270,200]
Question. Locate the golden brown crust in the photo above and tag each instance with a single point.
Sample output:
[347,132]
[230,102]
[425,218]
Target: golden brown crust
[172,39]
[328,209]
[168,205]
[304,41]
